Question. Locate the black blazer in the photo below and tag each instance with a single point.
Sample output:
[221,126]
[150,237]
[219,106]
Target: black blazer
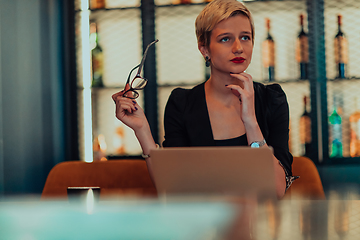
[187,121]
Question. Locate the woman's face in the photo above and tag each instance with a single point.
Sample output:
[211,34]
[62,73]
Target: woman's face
[230,48]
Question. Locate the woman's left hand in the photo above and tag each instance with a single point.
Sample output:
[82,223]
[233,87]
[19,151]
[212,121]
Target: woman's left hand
[245,95]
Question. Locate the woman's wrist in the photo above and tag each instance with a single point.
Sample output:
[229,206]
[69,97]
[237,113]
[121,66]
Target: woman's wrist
[147,155]
[253,132]
[145,139]
[251,124]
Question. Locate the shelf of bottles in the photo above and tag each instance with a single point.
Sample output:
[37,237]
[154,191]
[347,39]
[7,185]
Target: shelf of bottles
[343,72]
[280,55]
[115,48]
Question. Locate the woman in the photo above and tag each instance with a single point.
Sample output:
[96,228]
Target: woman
[229,109]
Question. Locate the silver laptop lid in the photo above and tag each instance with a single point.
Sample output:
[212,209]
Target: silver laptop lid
[229,171]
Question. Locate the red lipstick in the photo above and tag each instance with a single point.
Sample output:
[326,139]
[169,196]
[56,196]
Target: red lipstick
[238,60]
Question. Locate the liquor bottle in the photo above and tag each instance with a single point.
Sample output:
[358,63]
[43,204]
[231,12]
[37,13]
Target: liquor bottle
[99,148]
[97,4]
[305,130]
[268,52]
[119,139]
[302,50]
[96,57]
[355,132]
[335,132]
[176,2]
[341,54]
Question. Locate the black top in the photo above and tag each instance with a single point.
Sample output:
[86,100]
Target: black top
[237,141]
[187,121]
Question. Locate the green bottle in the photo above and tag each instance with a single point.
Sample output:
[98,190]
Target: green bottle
[96,57]
[336,133]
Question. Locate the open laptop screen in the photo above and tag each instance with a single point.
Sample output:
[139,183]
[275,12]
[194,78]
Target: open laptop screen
[234,171]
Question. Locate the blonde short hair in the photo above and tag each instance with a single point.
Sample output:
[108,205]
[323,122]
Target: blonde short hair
[215,12]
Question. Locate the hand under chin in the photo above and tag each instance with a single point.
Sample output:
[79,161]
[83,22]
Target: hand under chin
[236,93]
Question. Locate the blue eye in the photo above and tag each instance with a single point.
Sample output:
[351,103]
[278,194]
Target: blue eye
[245,38]
[225,39]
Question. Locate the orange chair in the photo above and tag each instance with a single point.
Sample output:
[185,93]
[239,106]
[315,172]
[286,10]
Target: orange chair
[309,185]
[114,177]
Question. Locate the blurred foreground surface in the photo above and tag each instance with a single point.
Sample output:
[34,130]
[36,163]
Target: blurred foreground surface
[180,218]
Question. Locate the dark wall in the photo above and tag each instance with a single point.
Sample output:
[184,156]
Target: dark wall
[31,93]
[340,178]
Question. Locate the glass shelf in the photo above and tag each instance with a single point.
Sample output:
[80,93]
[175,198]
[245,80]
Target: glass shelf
[180,5]
[343,79]
[113,9]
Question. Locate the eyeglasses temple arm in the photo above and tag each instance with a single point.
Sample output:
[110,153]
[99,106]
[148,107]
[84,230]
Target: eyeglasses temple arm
[144,56]
[128,79]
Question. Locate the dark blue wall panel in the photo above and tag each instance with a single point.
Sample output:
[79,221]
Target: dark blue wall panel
[31,93]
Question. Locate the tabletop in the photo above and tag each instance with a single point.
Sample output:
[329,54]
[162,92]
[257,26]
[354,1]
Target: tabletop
[181,218]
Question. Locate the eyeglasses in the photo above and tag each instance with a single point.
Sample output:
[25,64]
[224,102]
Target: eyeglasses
[138,82]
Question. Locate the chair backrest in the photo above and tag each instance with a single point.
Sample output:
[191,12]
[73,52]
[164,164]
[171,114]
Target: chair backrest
[114,177]
[309,184]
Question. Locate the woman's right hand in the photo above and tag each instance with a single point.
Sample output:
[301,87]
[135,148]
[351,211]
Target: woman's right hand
[128,111]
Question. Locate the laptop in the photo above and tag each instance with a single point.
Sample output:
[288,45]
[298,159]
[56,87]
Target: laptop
[218,171]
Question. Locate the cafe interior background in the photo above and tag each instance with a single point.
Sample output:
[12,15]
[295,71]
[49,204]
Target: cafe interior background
[52,111]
